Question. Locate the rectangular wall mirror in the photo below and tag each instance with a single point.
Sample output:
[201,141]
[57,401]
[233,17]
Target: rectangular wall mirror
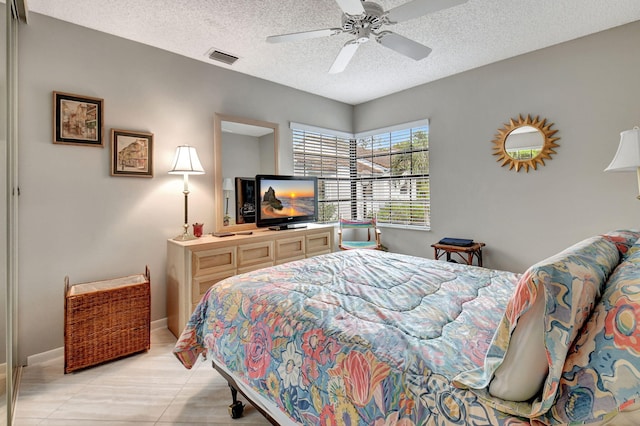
[242,148]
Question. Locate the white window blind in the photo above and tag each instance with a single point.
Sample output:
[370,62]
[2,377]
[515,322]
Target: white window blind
[383,174]
[328,158]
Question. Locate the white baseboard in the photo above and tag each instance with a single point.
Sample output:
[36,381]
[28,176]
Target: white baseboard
[59,352]
[45,356]
[161,323]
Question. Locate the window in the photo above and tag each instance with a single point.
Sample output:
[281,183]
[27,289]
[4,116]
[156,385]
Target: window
[392,175]
[328,158]
[382,173]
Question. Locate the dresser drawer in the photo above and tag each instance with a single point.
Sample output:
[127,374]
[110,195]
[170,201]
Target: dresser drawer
[289,248]
[289,259]
[254,267]
[209,262]
[318,243]
[200,285]
[318,253]
[255,254]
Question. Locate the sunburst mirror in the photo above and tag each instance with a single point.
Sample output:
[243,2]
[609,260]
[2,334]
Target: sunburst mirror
[525,143]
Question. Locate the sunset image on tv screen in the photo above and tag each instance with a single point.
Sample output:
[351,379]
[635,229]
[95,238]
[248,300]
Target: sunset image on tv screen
[286,198]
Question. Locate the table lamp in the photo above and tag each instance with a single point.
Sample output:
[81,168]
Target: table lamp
[627,158]
[227,187]
[186,163]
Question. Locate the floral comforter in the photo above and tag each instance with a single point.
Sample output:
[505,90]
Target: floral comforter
[356,337]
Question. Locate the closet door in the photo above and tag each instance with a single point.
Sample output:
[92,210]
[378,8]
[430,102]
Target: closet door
[13,12]
[5,369]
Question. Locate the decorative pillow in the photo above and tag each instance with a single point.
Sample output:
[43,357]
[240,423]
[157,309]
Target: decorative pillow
[601,375]
[624,239]
[570,283]
[526,347]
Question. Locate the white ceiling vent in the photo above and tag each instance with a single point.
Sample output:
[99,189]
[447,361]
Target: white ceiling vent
[220,56]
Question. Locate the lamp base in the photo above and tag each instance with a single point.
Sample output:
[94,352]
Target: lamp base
[185,237]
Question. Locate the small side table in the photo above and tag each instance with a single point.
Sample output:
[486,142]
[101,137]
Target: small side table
[465,253]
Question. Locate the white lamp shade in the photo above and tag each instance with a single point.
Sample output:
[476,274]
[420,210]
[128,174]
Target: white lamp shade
[227,184]
[627,158]
[186,162]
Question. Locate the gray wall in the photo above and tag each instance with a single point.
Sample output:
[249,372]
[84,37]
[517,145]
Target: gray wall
[77,220]
[588,88]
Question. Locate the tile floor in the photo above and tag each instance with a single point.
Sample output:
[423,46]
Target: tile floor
[151,388]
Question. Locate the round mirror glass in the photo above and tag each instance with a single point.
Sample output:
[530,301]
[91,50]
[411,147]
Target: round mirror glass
[524,143]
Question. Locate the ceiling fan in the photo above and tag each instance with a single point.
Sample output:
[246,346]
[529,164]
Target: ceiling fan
[364,20]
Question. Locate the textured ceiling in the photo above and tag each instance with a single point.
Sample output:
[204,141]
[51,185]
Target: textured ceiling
[464,37]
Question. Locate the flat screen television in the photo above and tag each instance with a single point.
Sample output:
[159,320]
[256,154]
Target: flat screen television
[285,202]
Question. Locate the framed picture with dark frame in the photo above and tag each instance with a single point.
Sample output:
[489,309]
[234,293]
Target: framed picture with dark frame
[77,119]
[245,200]
[131,153]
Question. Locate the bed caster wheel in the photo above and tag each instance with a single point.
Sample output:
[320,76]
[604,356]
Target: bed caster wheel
[236,409]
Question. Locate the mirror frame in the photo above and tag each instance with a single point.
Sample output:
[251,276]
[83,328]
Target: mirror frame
[217,161]
[549,143]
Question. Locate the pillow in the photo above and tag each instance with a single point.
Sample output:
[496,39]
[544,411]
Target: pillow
[526,347]
[623,239]
[569,284]
[601,375]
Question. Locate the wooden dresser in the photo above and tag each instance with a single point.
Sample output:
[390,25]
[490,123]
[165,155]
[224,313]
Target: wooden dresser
[194,266]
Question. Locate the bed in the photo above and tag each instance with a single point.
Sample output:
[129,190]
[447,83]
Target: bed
[368,337]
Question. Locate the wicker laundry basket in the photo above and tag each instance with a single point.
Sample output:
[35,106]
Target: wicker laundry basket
[106,320]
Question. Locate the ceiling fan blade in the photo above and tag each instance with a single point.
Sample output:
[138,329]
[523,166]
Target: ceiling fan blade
[343,58]
[351,7]
[305,35]
[403,45]
[417,8]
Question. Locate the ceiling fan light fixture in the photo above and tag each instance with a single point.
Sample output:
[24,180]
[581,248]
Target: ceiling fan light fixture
[371,18]
[363,34]
[363,18]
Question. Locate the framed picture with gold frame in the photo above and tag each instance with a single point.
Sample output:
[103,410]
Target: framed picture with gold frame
[131,153]
[77,119]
